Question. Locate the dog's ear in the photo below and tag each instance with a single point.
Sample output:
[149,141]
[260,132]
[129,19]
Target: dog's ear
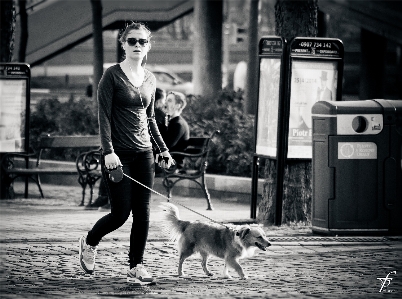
[243,232]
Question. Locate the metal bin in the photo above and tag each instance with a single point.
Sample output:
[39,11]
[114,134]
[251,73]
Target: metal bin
[357,167]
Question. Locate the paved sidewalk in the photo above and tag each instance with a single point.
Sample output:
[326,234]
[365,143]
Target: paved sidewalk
[39,257]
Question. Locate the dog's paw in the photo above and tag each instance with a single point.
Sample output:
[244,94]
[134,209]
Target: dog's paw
[245,277]
[209,274]
[227,276]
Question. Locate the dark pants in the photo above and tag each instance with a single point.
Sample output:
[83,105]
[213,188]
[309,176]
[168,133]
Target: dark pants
[128,196]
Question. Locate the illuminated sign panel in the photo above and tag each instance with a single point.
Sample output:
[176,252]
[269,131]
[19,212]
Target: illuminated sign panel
[310,82]
[270,83]
[14,107]
[316,66]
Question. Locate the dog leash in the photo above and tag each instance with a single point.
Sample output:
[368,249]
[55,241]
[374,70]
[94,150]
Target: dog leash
[116,175]
[169,199]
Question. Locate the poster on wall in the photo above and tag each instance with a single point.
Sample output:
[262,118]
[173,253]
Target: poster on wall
[268,101]
[311,81]
[13,107]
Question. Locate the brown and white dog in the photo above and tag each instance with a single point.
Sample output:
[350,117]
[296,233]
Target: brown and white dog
[228,244]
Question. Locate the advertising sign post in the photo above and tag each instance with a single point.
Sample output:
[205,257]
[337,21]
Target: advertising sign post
[315,74]
[268,112]
[14,109]
[313,68]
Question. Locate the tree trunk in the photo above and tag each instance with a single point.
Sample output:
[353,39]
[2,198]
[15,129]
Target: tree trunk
[24,30]
[7,27]
[297,193]
[97,33]
[296,18]
[251,91]
[292,18]
[207,73]
[98,43]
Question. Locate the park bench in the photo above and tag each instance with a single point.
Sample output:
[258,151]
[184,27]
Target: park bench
[195,166]
[86,163]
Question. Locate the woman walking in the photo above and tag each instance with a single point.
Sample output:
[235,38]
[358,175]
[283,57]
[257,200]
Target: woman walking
[128,130]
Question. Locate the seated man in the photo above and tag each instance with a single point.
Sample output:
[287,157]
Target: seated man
[178,132]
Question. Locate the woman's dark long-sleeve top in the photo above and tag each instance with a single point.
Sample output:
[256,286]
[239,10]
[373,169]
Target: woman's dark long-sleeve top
[123,119]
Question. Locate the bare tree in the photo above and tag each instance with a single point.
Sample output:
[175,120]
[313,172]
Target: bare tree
[7,27]
[292,18]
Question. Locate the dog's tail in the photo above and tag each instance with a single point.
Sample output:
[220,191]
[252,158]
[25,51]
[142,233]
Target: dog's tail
[173,226]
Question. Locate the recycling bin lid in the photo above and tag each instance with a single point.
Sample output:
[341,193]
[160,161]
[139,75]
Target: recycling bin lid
[392,111]
[346,107]
[397,104]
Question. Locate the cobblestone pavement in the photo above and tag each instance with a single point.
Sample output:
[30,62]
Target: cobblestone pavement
[39,258]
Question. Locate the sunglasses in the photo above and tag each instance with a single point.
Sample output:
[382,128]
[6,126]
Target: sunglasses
[133,41]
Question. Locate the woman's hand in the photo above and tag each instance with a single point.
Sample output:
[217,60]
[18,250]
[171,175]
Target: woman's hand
[112,161]
[167,160]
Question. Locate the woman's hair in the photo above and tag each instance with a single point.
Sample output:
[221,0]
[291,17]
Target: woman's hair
[134,26]
[159,94]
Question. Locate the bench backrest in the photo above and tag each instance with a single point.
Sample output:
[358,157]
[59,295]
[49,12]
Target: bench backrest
[70,141]
[52,142]
[197,144]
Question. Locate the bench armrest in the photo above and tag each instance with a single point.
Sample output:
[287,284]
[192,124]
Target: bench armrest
[184,154]
[88,161]
[7,160]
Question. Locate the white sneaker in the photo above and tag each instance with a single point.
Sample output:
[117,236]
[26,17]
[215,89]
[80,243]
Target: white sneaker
[87,255]
[139,276]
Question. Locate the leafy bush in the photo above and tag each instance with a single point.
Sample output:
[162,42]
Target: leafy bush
[233,150]
[232,153]
[74,117]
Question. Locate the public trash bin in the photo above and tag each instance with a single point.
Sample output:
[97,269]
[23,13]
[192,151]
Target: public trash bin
[357,167]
